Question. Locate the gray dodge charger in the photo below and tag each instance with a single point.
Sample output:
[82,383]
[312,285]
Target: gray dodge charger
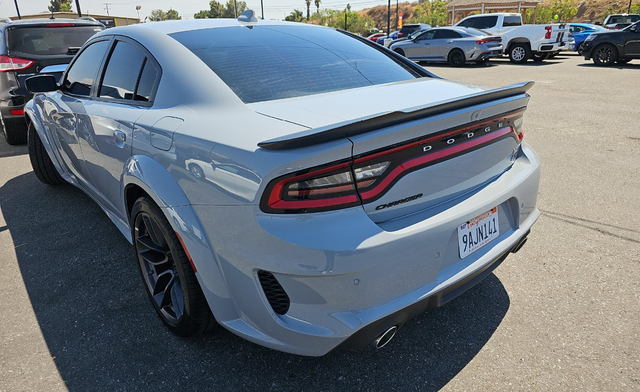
[265,189]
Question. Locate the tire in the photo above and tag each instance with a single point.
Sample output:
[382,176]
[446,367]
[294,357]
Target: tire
[540,57]
[14,132]
[552,55]
[580,48]
[605,55]
[166,272]
[400,52]
[40,161]
[519,53]
[457,58]
[196,171]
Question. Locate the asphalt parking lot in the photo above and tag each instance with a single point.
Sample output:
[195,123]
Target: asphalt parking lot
[561,315]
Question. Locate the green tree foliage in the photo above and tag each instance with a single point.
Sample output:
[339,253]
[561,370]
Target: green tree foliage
[60,6]
[433,13]
[216,10]
[564,9]
[317,2]
[333,18]
[229,11]
[160,15]
[621,8]
[294,16]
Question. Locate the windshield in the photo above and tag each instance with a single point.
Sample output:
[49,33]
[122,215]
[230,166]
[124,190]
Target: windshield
[48,40]
[264,63]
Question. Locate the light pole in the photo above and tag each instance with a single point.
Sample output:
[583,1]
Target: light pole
[78,8]
[388,18]
[262,8]
[138,11]
[17,9]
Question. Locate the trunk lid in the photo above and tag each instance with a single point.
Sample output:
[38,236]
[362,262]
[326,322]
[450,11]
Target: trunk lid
[431,146]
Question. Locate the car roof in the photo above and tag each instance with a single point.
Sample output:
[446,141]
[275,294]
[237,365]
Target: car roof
[45,21]
[176,26]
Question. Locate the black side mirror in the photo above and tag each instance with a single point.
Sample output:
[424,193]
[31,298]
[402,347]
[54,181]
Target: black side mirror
[41,84]
[634,28]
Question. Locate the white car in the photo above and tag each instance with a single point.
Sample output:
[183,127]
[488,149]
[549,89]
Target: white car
[521,42]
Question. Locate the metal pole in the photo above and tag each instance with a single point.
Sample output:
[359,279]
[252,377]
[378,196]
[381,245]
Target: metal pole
[17,9]
[235,8]
[388,19]
[262,7]
[396,14]
[628,11]
[78,8]
[345,20]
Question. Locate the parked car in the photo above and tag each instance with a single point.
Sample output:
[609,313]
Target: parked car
[360,219]
[393,36]
[408,29]
[521,42]
[581,31]
[620,21]
[26,48]
[374,37]
[611,46]
[450,44]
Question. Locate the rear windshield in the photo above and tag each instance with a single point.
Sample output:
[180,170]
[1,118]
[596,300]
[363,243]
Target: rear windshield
[264,63]
[44,41]
[624,19]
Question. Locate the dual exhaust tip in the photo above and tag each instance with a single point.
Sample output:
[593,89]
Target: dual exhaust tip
[384,338]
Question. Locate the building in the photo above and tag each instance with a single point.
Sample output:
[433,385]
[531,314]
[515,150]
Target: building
[107,20]
[460,9]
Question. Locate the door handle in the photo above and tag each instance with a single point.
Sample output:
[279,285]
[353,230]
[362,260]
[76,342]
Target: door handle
[119,138]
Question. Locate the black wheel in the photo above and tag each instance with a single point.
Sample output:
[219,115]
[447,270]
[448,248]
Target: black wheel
[552,55]
[40,161]
[580,48]
[519,53]
[399,51]
[538,57]
[457,58]
[622,61]
[605,55]
[196,171]
[15,132]
[166,271]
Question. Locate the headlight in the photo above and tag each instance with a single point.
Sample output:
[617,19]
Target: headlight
[590,37]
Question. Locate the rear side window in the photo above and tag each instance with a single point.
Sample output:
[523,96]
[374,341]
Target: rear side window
[446,34]
[84,70]
[468,23]
[147,82]
[486,22]
[121,74]
[269,62]
[54,40]
[510,21]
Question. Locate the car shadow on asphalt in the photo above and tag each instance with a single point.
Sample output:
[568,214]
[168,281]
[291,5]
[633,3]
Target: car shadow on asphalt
[635,66]
[7,150]
[103,334]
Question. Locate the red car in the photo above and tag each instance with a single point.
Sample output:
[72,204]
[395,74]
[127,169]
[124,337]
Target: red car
[374,37]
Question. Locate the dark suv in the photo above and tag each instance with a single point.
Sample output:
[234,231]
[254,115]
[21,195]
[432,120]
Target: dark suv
[26,48]
[407,29]
[613,46]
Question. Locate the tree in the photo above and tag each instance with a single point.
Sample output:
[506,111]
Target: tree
[216,10]
[308,2]
[160,15]
[356,23]
[230,9]
[172,15]
[317,2]
[433,13]
[294,16]
[60,6]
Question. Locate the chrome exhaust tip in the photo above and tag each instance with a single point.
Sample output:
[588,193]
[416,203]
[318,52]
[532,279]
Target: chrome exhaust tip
[384,338]
[520,245]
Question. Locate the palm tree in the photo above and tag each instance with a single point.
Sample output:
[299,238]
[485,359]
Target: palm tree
[318,5]
[308,5]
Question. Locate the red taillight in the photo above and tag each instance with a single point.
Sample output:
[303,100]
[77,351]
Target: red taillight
[400,35]
[59,24]
[14,64]
[548,34]
[368,177]
[615,27]
[17,112]
[485,40]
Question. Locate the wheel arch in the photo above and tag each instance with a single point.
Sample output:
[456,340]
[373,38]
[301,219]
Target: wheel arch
[518,40]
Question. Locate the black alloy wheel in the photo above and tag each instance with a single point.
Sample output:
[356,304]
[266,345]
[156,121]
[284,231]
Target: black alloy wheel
[166,271]
[605,55]
[457,58]
[580,48]
[538,57]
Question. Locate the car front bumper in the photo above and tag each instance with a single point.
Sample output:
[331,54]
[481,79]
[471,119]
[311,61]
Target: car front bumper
[347,277]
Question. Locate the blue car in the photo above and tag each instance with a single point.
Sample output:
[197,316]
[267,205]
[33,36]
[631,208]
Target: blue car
[393,35]
[580,32]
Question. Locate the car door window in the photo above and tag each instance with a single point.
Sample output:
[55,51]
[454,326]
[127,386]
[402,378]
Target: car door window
[486,22]
[84,70]
[446,34]
[146,82]
[425,36]
[122,71]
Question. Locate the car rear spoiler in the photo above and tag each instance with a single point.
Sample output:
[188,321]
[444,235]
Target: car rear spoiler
[381,120]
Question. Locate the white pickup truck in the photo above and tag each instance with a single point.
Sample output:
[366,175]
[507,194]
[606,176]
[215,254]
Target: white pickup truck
[521,42]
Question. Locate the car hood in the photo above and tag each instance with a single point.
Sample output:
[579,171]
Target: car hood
[319,110]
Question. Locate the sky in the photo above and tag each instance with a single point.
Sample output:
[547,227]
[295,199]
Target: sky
[273,9]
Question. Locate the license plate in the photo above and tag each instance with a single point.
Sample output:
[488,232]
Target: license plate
[478,232]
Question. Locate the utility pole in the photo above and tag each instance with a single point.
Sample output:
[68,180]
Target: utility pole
[106,7]
[396,14]
[388,19]
[138,11]
[17,9]
[346,12]
[628,11]
[235,8]
[78,8]
[262,8]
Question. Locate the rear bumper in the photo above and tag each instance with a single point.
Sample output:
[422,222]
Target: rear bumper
[550,47]
[346,276]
